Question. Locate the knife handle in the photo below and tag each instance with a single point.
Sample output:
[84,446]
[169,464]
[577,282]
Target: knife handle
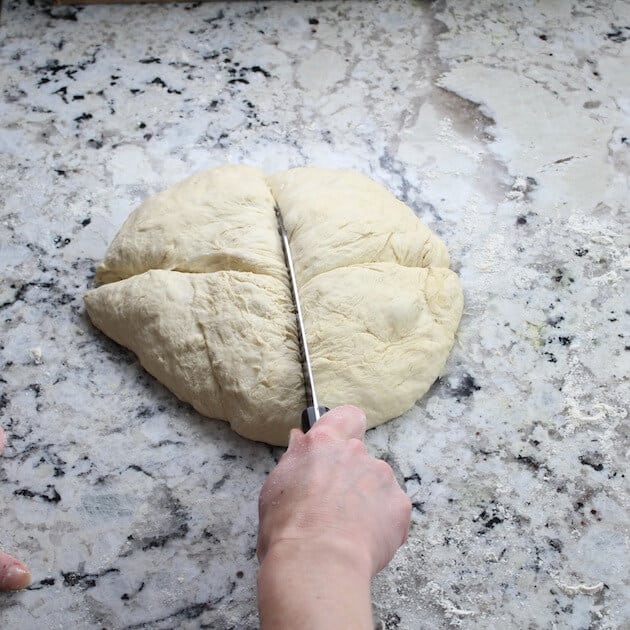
[309,418]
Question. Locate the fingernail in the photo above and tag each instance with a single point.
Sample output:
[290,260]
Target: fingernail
[15,578]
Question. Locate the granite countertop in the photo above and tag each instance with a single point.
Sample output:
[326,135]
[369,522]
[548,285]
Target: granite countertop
[505,127]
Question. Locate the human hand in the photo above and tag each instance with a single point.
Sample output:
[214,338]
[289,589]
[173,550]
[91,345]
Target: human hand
[13,574]
[328,492]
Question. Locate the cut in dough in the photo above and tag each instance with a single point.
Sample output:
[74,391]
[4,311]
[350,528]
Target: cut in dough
[196,285]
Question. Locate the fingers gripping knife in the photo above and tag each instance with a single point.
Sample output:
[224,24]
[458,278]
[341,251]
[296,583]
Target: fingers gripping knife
[313,411]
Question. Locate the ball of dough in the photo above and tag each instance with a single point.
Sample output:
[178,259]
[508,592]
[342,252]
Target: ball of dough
[196,285]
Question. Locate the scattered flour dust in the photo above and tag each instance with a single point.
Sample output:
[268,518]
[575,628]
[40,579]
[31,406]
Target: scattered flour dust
[579,413]
[580,589]
[36,355]
[451,611]
[417,597]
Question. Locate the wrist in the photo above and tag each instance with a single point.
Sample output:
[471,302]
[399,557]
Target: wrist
[314,584]
[321,552]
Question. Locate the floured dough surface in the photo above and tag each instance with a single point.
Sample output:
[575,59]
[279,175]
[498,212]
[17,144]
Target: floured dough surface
[196,285]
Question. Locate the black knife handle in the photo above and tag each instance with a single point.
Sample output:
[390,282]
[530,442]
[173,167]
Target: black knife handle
[309,419]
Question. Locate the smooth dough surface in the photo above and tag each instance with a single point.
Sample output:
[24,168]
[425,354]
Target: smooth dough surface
[196,285]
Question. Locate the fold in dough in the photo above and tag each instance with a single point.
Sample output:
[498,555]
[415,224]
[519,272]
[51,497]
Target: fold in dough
[195,284]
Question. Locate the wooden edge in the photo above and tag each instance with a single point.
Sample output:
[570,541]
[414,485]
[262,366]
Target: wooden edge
[79,2]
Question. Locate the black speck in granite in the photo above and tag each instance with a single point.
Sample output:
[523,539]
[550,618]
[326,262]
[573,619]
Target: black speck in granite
[36,389]
[465,388]
[495,520]
[144,412]
[22,290]
[531,463]
[52,68]
[220,483]
[13,94]
[95,144]
[488,517]
[174,527]
[219,16]
[619,34]
[139,469]
[594,460]
[128,596]
[555,322]
[262,71]
[418,506]
[62,92]
[38,586]
[50,495]
[521,220]
[151,60]
[211,536]
[60,241]
[84,580]
[560,276]
[160,82]
[165,442]
[192,611]
[222,140]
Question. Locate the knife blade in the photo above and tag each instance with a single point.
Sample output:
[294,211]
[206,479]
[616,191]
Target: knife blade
[314,410]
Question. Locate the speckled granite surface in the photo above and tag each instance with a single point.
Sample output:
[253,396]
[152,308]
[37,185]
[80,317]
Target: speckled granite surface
[506,127]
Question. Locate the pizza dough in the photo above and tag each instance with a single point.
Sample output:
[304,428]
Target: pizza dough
[196,285]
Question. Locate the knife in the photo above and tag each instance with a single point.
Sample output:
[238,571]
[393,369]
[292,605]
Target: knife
[314,410]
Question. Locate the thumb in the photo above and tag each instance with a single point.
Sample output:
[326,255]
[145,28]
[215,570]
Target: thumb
[13,574]
[294,438]
[342,423]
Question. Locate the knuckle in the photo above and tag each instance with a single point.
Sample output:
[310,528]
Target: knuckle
[384,469]
[317,435]
[356,446]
